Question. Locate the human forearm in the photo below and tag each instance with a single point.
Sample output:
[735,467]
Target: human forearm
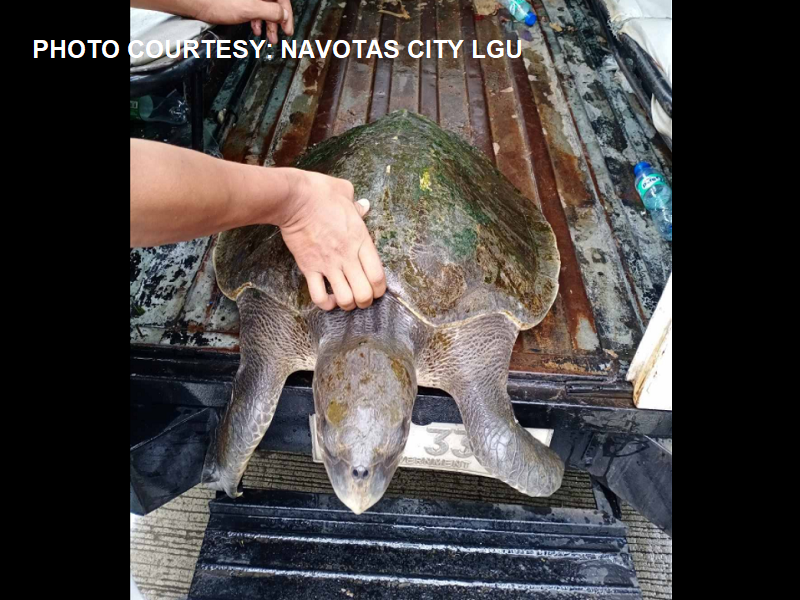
[179,194]
[230,12]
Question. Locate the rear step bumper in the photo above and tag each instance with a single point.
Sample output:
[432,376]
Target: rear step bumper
[276,544]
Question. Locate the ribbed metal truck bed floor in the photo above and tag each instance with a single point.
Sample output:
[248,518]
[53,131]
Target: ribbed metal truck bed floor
[277,544]
[556,121]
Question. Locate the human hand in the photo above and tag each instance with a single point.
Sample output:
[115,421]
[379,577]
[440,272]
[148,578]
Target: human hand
[325,232]
[233,12]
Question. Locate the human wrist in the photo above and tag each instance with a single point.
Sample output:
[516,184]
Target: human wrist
[273,194]
[293,183]
[196,9]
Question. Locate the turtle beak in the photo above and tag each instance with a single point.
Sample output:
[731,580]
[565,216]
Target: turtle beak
[358,487]
[358,504]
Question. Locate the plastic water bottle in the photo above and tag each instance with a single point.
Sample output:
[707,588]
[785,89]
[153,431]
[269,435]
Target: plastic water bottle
[520,10]
[657,197]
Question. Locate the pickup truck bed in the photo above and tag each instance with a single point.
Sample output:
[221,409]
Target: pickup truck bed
[562,123]
[557,121]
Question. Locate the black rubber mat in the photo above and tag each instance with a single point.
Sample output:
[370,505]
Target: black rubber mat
[277,544]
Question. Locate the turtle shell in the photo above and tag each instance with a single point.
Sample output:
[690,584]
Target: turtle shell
[457,240]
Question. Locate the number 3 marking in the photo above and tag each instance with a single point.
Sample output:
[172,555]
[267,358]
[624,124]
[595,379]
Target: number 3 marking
[466,451]
[441,445]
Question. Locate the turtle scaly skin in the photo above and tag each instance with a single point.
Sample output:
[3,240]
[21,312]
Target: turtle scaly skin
[469,263]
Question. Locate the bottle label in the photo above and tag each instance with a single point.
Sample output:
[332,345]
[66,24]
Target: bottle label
[647,182]
[517,9]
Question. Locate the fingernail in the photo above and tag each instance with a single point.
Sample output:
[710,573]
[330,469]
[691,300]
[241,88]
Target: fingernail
[364,202]
[285,15]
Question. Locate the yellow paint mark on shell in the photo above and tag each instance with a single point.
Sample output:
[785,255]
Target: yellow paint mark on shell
[425,181]
[336,412]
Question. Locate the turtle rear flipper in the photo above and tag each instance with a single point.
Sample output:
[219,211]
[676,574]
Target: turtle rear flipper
[471,363]
[274,344]
[212,475]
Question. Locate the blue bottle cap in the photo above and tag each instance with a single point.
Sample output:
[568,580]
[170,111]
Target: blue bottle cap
[530,19]
[640,167]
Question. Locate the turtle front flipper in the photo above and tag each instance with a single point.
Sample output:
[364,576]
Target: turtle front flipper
[471,364]
[274,343]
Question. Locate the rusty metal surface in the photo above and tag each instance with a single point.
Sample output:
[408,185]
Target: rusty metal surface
[265,88]
[557,121]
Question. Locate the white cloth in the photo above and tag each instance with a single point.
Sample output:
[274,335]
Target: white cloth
[649,24]
[171,31]
[620,11]
[655,37]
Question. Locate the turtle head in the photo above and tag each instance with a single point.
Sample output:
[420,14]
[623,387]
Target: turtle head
[363,395]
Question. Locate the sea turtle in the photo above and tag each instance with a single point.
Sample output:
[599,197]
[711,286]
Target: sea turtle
[469,262]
